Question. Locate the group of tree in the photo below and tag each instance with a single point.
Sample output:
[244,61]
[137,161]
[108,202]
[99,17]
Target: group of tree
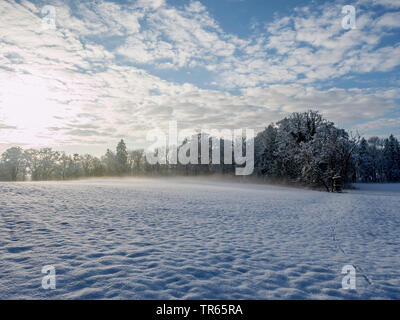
[378,160]
[303,148]
[17,164]
[308,149]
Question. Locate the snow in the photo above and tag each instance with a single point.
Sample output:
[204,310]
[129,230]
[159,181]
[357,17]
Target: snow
[193,239]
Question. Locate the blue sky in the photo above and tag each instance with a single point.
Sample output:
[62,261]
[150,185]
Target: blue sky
[116,69]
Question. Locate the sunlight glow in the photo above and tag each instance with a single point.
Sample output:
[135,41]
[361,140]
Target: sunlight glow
[31,106]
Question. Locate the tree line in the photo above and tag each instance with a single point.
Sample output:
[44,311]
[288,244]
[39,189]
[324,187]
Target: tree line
[303,148]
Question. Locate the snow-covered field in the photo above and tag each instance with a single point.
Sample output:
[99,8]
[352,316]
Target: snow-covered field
[168,239]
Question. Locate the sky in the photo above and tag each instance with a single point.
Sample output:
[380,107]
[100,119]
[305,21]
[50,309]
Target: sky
[81,75]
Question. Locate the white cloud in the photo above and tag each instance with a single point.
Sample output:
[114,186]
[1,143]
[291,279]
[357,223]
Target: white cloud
[379,126]
[311,45]
[389,20]
[178,38]
[392,4]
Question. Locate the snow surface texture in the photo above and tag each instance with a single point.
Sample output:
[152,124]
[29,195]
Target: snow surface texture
[169,239]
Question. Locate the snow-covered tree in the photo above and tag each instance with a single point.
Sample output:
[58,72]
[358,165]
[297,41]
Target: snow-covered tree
[110,162]
[13,164]
[306,148]
[365,163]
[391,159]
[136,161]
[266,152]
[122,158]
